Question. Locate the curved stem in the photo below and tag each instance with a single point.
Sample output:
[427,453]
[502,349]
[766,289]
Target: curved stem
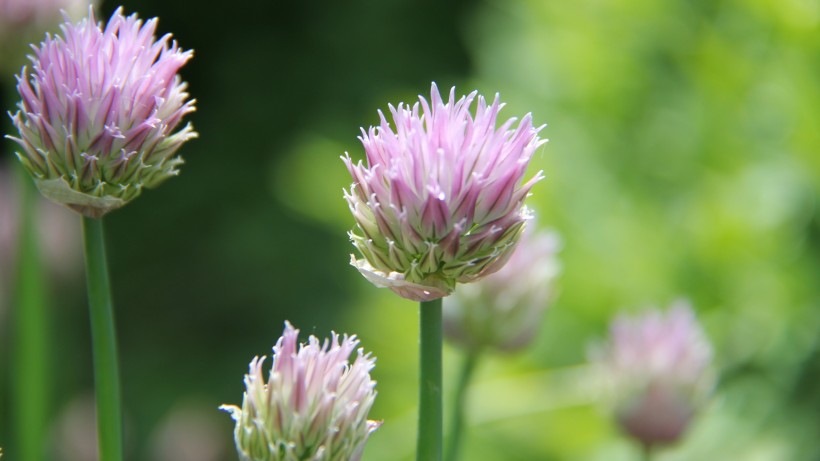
[32,390]
[459,406]
[104,343]
[430,425]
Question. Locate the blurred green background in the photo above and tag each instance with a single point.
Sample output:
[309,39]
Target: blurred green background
[683,161]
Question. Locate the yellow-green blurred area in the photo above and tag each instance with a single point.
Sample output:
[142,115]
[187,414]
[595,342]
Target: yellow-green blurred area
[684,161]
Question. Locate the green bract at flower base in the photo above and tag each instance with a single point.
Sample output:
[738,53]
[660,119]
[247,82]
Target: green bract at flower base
[440,200]
[99,113]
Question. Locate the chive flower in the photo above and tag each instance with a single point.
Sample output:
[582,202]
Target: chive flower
[503,311]
[659,365]
[313,405]
[440,200]
[100,112]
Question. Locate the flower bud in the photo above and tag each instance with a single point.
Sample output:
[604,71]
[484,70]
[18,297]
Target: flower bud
[503,311]
[659,365]
[313,405]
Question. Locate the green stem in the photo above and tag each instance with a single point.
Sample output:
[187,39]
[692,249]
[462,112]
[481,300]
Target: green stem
[32,390]
[104,343]
[457,429]
[646,452]
[429,447]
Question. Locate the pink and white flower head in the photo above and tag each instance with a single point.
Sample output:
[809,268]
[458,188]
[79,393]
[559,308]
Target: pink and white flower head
[100,112]
[313,405]
[503,311]
[441,198]
[660,367]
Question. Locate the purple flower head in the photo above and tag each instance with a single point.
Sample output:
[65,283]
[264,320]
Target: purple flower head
[503,311]
[440,200]
[660,367]
[100,112]
[312,406]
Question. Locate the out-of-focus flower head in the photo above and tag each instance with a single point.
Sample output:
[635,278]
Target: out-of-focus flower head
[503,311]
[190,432]
[22,21]
[660,366]
[19,13]
[440,200]
[74,434]
[313,405]
[100,110]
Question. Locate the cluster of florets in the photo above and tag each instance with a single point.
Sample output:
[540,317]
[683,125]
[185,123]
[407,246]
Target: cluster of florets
[440,200]
[312,406]
[100,110]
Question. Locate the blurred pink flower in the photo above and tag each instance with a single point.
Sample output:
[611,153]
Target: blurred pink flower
[440,200]
[503,311]
[660,366]
[190,432]
[19,12]
[312,406]
[23,20]
[74,433]
[99,112]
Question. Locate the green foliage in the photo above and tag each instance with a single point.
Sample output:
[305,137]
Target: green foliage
[682,164]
